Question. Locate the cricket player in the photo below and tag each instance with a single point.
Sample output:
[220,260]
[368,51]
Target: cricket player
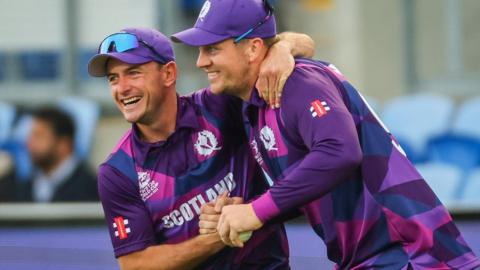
[325,151]
[180,153]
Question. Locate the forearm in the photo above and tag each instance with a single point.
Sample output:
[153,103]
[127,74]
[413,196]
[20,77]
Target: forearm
[185,255]
[309,181]
[300,45]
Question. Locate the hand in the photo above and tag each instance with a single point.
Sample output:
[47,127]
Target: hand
[274,72]
[208,219]
[210,212]
[234,220]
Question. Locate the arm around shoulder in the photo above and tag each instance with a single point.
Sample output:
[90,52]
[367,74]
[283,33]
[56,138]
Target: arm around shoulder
[300,45]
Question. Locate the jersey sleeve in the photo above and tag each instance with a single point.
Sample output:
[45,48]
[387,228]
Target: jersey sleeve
[315,118]
[128,220]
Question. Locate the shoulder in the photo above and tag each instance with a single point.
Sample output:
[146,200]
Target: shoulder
[312,90]
[307,83]
[205,98]
[122,145]
[114,183]
[217,108]
[307,77]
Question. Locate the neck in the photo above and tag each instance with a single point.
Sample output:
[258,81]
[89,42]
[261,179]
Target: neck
[164,123]
[246,90]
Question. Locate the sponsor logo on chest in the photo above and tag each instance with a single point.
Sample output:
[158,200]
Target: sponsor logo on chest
[146,185]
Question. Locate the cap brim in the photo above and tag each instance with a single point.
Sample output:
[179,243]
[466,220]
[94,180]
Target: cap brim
[97,66]
[197,37]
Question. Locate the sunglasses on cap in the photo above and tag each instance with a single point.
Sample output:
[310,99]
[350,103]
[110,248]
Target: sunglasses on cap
[121,42]
[269,9]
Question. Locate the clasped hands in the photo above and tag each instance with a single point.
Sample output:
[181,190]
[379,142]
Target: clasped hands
[228,217]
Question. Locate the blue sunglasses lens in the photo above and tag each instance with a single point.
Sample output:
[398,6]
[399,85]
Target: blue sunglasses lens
[120,41]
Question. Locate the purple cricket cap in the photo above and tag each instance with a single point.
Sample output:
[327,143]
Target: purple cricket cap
[140,55]
[223,19]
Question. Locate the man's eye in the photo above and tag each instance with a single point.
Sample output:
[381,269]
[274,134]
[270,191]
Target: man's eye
[134,72]
[212,49]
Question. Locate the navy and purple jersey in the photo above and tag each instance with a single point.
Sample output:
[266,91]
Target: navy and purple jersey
[326,152]
[152,192]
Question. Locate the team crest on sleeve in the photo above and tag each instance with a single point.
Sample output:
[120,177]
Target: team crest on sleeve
[120,225]
[319,108]
[206,143]
[268,138]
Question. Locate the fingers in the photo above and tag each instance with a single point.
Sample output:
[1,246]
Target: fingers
[234,239]
[208,208]
[236,200]
[208,225]
[207,231]
[223,229]
[281,85]
[260,85]
[221,201]
[210,218]
[273,92]
[266,89]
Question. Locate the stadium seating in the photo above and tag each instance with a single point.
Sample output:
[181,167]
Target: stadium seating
[83,57]
[471,192]
[39,65]
[7,116]
[467,118]
[458,150]
[444,180]
[413,119]
[17,146]
[21,158]
[85,114]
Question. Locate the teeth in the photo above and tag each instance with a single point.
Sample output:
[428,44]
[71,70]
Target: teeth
[130,100]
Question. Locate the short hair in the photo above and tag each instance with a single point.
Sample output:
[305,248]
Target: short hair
[60,121]
[270,41]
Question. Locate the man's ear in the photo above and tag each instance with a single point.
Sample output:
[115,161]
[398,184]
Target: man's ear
[170,74]
[256,49]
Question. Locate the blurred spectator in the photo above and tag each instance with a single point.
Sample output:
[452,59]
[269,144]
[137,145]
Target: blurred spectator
[58,175]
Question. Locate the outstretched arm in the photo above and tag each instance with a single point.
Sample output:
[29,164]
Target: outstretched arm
[185,255]
[133,234]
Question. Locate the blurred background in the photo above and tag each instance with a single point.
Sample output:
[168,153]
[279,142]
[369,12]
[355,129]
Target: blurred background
[416,62]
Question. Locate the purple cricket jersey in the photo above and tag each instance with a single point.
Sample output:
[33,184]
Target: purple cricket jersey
[327,152]
[152,192]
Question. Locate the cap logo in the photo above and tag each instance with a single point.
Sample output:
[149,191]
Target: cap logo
[204,11]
